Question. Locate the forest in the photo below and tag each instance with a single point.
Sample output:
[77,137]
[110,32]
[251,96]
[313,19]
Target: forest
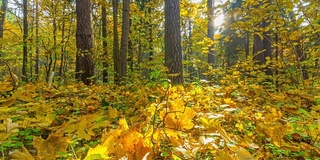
[160,79]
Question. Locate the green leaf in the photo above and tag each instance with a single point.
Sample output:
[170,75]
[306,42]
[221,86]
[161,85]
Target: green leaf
[304,112]
[164,154]
[318,101]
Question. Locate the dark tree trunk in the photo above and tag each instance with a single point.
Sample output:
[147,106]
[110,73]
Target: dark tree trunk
[262,45]
[62,58]
[267,46]
[258,50]
[25,36]
[173,54]
[130,50]
[3,16]
[84,40]
[210,31]
[116,53]
[104,45]
[124,39]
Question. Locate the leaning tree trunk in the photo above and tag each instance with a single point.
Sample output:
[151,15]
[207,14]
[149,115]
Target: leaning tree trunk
[84,40]
[173,54]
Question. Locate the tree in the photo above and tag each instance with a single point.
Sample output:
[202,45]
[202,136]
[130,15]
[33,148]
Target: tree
[237,42]
[3,16]
[210,31]
[84,41]
[116,53]
[124,39]
[262,44]
[104,44]
[25,36]
[173,54]
[37,65]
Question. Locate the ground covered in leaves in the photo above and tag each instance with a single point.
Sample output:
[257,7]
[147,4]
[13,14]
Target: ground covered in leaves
[158,121]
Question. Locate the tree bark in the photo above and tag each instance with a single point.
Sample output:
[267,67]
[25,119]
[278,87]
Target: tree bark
[124,39]
[37,65]
[116,53]
[173,54]
[104,45]
[25,36]
[210,31]
[3,16]
[262,46]
[84,41]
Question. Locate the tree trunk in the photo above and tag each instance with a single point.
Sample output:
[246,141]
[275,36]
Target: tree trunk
[37,65]
[124,39]
[173,54]
[62,58]
[3,16]
[116,53]
[262,46]
[210,31]
[25,36]
[104,45]
[267,45]
[84,40]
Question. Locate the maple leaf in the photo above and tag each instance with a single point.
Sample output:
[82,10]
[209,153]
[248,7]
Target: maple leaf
[84,125]
[98,152]
[9,128]
[130,140]
[112,112]
[5,87]
[56,142]
[25,155]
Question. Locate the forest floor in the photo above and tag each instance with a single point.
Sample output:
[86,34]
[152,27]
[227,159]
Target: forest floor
[158,121]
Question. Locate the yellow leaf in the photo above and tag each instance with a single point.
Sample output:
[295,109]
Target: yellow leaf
[21,155]
[130,140]
[123,124]
[239,126]
[201,42]
[99,152]
[48,149]
[10,127]
[5,87]
[204,121]
[217,36]
[294,35]
[112,112]
[260,35]
[241,153]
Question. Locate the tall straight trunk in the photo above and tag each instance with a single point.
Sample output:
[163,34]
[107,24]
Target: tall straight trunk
[210,31]
[262,46]
[172,38]
[25,36]
[131,51]
[104,44]
[53,57]
[267,45]
[116,53]
[124,39]
[62,58]
[3,16]
[37,65]
[84,41]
